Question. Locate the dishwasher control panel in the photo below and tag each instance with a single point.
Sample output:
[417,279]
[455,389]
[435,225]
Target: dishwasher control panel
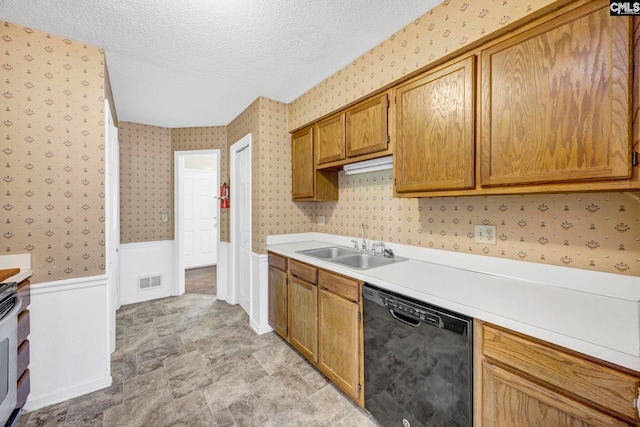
[410,310]
[404,308]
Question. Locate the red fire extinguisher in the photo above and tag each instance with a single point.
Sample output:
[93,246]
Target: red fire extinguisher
[224,196]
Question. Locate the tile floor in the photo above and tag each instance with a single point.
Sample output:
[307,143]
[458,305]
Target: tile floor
[201,280]
[194,361]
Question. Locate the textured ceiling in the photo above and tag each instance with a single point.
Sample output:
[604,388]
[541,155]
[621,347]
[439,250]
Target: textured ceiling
[184,63]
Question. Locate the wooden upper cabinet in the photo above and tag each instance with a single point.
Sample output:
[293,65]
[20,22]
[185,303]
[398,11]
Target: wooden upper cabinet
[308,183]
[556,101]
[367,127]
[330,143]
[435,130]
[303,167]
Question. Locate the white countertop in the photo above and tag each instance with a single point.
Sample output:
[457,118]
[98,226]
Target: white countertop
[21,261]
[595,313]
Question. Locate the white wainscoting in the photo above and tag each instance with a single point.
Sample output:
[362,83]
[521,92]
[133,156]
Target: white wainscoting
[69,340]
[259,316]
[143,260]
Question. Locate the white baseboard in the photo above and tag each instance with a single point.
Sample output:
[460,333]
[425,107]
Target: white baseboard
[37,402]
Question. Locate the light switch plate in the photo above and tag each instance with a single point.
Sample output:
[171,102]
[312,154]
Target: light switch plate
[486,234]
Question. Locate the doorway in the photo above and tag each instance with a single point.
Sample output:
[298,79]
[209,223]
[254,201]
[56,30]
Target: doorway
[240,201]
[196,220]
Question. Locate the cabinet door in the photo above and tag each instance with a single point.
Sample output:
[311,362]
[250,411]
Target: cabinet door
[338,341]
[303,317]
[556,101]
[278,301]
[435,130]
[330,143]
[366,125]
[509,400]
[303,167]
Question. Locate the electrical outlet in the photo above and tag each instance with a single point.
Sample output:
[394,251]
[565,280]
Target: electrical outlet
[486,234]
[165,217]
[320,219]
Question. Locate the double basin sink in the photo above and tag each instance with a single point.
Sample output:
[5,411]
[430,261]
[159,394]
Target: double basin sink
[351,257]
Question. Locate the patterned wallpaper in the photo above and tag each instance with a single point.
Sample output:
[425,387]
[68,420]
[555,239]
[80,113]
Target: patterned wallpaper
[273,210]
[593,231]
[447,28]
[596,231]
[145,183]
[52,148]
[204,138]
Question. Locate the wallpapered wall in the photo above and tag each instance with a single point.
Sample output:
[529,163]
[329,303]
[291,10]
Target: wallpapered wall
[52,103]
[145,182]
[146,177]
[594,231]
[205,138]
[273,210]
[445,29]
[597,231]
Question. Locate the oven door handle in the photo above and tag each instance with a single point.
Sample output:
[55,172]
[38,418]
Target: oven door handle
[406,320]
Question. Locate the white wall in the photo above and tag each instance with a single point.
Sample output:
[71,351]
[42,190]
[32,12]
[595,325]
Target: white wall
[142,260]
[69,340]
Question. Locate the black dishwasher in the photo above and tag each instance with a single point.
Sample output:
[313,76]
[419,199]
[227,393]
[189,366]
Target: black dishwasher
[418,369]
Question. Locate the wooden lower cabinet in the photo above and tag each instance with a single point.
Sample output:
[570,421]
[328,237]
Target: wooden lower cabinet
[338,341]
[510,400]
[278,300]
[522,381]
[24,328]
[303,317]
[318,313]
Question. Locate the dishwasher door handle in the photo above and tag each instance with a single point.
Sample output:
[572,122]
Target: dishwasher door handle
[406,320]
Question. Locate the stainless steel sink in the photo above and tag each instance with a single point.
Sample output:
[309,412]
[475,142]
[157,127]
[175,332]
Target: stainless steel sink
[350,257]
[326,253]
[365,261]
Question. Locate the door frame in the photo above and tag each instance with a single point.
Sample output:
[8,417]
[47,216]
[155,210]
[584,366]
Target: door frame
[178,288]
[112,222]
[233,286]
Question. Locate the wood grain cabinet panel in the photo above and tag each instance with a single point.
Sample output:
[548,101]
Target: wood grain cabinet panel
[303,179]
[367,127]
[338,341]
[303,317]
[510,400]
[330,140]
[309,183]
[278,294]
[557,101]
[435,130]
[522,381]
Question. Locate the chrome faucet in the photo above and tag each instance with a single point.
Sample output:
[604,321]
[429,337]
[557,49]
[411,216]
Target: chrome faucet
[364,241]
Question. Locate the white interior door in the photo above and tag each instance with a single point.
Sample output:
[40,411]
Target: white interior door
[243,201]
[200,217]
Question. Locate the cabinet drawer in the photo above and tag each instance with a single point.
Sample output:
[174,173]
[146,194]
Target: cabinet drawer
[303,271]
[23,357]
[24,292]
[24,387]
[339,285]
[278,261]
[599,384]
[24,327]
